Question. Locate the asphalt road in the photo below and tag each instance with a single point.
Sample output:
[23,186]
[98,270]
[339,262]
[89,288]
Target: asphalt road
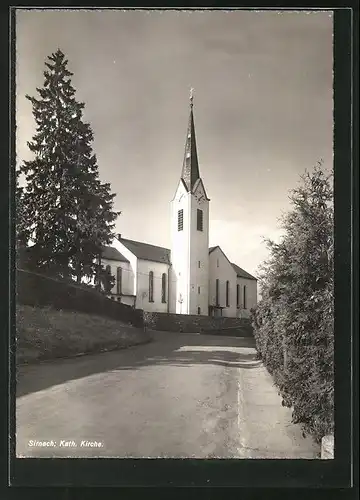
[179,396]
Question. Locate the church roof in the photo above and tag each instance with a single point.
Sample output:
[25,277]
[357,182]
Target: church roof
[242,274]
[111,253]
[190,171]
[145,251]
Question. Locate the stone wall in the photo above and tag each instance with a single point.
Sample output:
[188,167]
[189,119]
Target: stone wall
[327,447]
[197,324]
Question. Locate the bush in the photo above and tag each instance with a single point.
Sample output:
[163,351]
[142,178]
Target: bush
[293,322]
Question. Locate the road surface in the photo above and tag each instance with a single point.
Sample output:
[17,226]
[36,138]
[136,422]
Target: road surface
[180,396]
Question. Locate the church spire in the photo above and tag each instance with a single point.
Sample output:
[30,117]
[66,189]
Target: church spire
[190,171]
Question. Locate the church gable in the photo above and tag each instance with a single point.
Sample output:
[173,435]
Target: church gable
[199,189]
[218,259]
[181,190]
[240,273]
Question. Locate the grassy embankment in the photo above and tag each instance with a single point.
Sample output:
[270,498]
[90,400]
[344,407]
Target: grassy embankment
[45,333]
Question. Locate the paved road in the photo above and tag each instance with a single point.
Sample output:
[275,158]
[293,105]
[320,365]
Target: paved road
[180,396]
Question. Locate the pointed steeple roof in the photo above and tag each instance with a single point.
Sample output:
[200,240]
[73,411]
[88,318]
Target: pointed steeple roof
[190,171]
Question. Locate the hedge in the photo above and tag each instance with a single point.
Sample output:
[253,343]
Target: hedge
[293,321]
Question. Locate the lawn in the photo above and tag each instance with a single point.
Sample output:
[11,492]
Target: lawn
[45,333]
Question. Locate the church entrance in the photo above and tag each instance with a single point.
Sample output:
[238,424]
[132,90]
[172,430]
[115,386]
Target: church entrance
[215,311]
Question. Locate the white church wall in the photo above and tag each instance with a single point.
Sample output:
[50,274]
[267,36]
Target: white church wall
[199,259]
[142,295]
[133,264]
[250,296]
[129,301]
[180,241]
[220,268]
[172,290]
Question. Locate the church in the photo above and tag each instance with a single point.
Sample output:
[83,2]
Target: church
[190,277]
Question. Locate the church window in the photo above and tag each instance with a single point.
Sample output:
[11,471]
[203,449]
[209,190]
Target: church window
[163,288]
[198,289]
[118,280]
[199,310]
[237,295]
[151,286]
[227,294]
[180,220]
[200,220]
[244,297]
[217,293]
[108,272]
[217,262]
[199,264]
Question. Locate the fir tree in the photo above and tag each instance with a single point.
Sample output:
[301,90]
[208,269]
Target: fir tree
[68,211]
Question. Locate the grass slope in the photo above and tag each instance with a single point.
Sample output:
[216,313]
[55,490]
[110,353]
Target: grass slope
[45,333]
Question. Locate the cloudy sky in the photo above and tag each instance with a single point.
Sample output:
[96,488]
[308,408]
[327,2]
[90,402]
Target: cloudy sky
[262,103]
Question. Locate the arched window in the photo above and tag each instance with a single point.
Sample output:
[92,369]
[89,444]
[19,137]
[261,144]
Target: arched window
[238,295]
[151,286]
[199,310]
[227,294]
[163,288]
[119,280]
[244,297]
[108,269]
[217,293]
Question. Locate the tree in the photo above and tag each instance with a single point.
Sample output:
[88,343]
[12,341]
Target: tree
[66,212]
[293,322]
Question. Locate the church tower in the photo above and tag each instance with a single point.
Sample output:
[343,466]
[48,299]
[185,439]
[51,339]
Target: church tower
[189,274]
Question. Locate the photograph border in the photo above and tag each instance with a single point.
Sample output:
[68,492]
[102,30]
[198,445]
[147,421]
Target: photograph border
[254,473]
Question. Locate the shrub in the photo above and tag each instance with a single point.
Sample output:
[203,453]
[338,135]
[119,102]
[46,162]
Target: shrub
[293,322]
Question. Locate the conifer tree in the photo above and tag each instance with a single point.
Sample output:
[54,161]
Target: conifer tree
[68,211]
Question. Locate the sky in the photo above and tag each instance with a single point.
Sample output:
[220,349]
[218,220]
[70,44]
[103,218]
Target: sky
[262,105]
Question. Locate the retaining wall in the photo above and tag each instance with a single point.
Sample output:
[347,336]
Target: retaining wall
[197,324]
[37,290]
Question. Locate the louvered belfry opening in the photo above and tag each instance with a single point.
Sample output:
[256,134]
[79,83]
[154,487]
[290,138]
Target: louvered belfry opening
[180,220]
